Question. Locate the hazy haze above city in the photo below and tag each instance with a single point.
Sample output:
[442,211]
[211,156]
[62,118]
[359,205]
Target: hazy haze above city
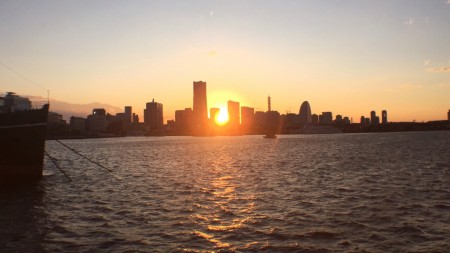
[347,57]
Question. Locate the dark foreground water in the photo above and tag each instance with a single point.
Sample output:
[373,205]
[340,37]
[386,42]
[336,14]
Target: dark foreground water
[304,193]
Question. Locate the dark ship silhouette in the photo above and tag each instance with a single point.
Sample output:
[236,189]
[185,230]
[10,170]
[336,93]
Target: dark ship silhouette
[22,139]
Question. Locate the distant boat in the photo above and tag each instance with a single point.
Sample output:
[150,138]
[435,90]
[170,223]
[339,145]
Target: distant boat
[22,135]
[270,136]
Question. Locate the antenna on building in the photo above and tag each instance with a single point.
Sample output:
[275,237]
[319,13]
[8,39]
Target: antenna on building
[268,104]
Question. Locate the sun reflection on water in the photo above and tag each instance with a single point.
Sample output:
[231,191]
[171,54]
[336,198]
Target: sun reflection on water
[224,209]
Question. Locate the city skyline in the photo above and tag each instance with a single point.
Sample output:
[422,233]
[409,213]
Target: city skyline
[349,58]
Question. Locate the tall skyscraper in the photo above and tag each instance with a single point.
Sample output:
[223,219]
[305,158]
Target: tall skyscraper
[233,114]
[200,105]
[305,113]
[153,117]
[384,117]
[373,117]
[128,114]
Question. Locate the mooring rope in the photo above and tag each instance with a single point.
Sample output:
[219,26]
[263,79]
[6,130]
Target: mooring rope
[76,152]
[56,164]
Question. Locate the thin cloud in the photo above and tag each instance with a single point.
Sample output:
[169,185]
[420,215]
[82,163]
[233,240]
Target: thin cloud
[427,62]
[409,21]
[439,69]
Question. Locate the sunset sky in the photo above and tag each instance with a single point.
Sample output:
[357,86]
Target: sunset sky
[348,57]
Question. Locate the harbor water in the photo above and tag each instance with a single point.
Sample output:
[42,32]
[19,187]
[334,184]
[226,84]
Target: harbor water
[380,192]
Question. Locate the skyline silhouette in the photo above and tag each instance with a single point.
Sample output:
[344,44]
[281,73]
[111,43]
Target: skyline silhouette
[234,119]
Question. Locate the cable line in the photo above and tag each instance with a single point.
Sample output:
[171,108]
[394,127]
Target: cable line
[56,164]
[76,152]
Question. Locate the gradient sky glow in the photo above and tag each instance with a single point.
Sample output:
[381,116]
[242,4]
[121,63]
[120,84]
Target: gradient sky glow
[348,57]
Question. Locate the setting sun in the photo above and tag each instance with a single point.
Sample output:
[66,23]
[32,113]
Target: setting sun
[221,118]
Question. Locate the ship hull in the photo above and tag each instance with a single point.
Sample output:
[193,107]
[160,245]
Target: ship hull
[22,145]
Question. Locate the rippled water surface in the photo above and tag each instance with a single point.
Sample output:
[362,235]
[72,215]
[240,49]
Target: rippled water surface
[301,193]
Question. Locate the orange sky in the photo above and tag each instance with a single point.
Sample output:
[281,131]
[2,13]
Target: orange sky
[348,58]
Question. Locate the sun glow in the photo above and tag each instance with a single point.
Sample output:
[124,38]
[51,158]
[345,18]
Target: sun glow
[221,117]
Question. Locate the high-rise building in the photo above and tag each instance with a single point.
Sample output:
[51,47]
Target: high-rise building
[373,118]
[153,117]
[233,114]
[305,113]
[213,112]
[200,106]
[259,122]
[448,115]
[180,121]
[97,121]
[315,118]
[135,118]
[326,118]
[128,114]
[384,117]
[346,120]
[247,118]
[189,119]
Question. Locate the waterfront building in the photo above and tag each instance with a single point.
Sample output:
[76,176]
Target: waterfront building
[384,117]
[121,116]
[153,117]
[247,118]
[373,118]
[135,118]
[315,118]
[272,123]
[97,121]
[200,106]
[289,122]
[189,119]
[326,118]
[347,120]
[213,112]
[259,121]
[233,114]
[78,123]
[55,119]
[180,121]
[305,113]
[128,114]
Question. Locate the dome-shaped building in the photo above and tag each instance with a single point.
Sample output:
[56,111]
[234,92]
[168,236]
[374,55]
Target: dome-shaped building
[305,113]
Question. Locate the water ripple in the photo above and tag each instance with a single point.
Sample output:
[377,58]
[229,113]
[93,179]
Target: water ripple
[321,193]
